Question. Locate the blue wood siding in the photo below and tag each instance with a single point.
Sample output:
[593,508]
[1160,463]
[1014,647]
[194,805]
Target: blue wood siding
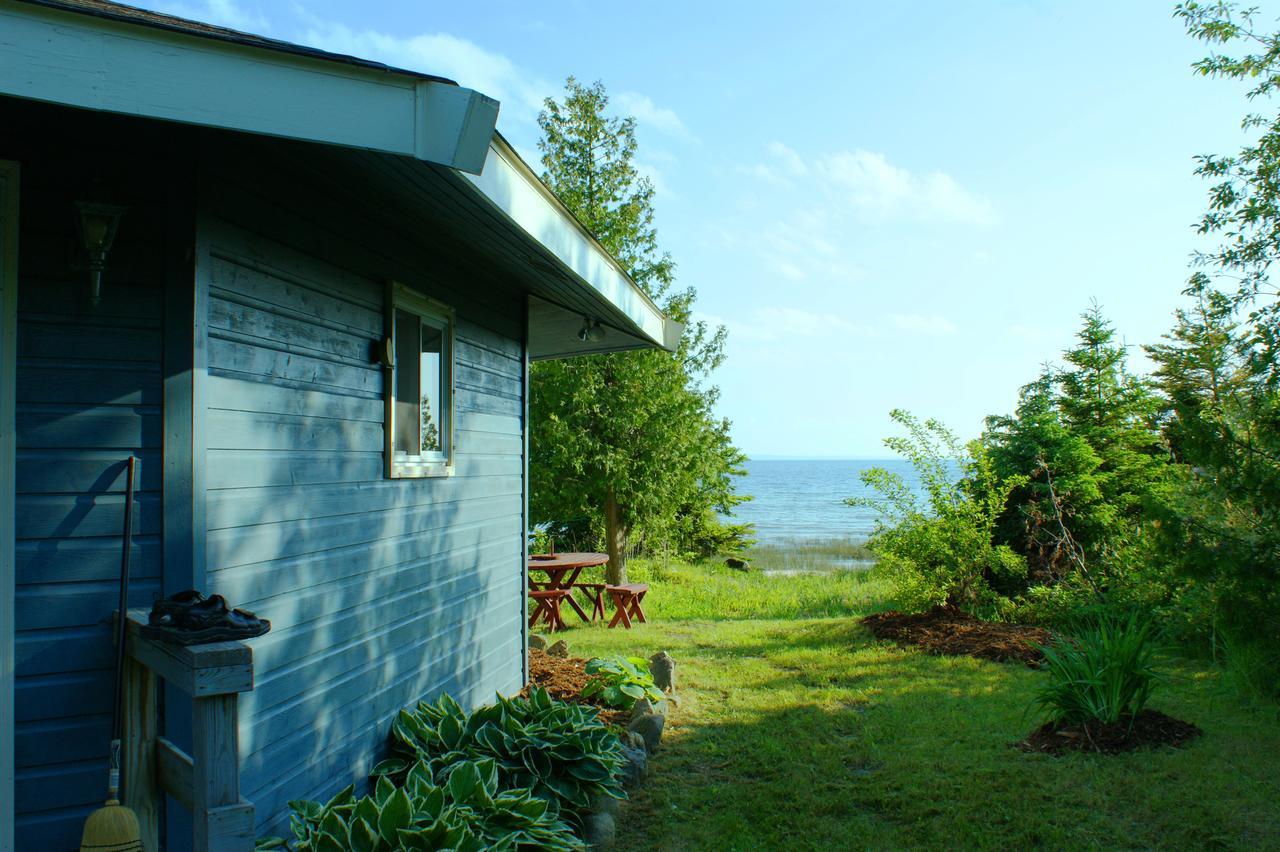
[381,592]
[88,393]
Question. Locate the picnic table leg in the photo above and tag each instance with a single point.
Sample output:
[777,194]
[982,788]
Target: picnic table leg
[619,610]
[636,612]
[573,603]
[537,613]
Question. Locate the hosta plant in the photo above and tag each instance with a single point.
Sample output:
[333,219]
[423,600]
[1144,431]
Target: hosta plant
[1104,674]
[467,811]
[620,681]
[561,752]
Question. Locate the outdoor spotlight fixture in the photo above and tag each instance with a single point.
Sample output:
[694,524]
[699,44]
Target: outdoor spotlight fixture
[592,331]
[97,224]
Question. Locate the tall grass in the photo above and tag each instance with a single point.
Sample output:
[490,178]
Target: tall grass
[811,555]
[710,591]
[1105,673]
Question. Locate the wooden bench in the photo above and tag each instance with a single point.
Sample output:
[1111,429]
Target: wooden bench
[626,603]
[595,597]
[548,607]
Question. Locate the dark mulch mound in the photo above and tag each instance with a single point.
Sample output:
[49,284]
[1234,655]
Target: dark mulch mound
[563,678]
[1150,728]
[943,630]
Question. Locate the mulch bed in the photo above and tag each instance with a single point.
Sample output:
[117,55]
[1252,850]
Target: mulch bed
[1150,728]
[564,678]
[943,630]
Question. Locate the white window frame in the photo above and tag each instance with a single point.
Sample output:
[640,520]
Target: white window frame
[402,298]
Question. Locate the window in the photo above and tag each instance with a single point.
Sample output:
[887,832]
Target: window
[418,358]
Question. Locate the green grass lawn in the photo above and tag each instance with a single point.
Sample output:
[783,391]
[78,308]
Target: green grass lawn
[798,730]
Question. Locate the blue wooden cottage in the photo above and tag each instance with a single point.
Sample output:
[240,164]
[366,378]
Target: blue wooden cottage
[304,289]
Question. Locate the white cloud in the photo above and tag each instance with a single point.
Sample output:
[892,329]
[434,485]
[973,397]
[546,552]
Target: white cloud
[879,190]
[520,92]
[785,166]
[778,323]
[927,324]
[788,159]
[223,13]
[648,114]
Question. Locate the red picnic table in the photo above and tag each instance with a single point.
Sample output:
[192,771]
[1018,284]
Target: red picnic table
[562,570]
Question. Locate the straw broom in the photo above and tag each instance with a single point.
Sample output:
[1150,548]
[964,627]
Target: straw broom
[113,827]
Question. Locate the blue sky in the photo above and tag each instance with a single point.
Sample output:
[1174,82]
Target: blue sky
[888,207]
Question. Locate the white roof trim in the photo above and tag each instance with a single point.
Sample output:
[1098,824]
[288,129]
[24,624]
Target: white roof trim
[86,61]
[511,186]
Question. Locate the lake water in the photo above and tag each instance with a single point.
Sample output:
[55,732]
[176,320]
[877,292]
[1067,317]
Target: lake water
[804,498]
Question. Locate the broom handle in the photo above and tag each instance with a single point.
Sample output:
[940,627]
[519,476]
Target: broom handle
[121,626]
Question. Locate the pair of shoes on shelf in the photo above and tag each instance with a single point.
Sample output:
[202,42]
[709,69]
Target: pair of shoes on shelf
[190,618]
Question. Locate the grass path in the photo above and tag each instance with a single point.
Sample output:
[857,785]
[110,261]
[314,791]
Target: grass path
[811,734]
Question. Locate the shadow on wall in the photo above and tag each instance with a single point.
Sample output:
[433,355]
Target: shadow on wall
[380,592]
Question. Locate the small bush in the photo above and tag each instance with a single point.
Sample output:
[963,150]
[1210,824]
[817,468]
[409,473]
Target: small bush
[942,552]
[620,682]
[562,752]
[467,811]
[1104,674]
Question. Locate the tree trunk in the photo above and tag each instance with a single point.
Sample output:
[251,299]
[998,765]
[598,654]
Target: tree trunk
[615,537]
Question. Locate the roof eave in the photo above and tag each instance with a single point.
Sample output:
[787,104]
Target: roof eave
[55,53]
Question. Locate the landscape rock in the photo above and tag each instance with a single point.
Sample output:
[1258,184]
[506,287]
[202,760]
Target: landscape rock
[598,830]
[635,763]
[738,564]
[663,669]
[559,649]
[644,706]
[538,641]
[650,727]
[606,805]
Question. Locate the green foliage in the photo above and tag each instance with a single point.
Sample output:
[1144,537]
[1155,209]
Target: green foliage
[468,810]
[625,443]
[620,681]
[704,533]
[1219,368]
[562,752]
[1105,673]
[942,552]
[1084,439]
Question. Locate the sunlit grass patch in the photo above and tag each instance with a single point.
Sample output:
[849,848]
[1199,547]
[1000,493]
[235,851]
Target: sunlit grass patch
[679,591]
[807,732]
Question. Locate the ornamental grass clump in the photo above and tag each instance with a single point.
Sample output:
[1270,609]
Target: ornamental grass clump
[620,681]
[559,751]
[467,811]
[1105,674]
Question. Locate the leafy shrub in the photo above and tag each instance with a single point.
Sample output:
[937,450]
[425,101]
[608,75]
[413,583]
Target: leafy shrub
[620,682]
[468,811]
[942,552]
[561,752]
[1104,674]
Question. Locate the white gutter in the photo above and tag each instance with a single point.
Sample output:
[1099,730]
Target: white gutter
[510,185]
[87,61]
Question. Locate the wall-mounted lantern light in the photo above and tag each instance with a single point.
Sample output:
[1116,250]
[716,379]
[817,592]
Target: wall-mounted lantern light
[97,224]
[591,331]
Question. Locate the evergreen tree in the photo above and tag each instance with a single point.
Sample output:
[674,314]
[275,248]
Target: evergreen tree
[1114,412]
[625,442]
[1085,442]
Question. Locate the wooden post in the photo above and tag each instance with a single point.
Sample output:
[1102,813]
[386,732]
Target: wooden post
[207,782]
[222,821]
[141,792]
